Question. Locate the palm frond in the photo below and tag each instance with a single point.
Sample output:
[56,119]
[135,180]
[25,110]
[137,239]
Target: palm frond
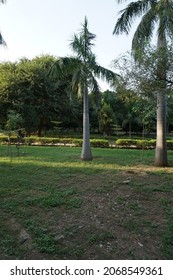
[93,83]
[77,45]
[69,64]
[78,81]
[86,34]
[131,12]
[144,31]
[63,66]
[2,41]
[105,74]
[165,13]
[82,43]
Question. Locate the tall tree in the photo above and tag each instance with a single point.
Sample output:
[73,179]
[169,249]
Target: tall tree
[84,70]
[26,87]
[154,13]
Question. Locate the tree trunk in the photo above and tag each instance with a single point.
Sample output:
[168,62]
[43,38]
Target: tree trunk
[161,149]
[130,128]
[86,148]
[40,127]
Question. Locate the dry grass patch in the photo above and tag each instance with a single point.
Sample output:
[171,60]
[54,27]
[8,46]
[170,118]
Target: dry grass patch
[54,206]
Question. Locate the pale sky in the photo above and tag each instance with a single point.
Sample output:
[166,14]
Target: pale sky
[34,27]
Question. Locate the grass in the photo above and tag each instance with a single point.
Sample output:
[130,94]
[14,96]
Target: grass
[55,206]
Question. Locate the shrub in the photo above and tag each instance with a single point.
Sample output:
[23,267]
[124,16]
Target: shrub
[77,142]
[140,144]
[126,143]
[151,144]
[170,144]
[4,139]
[135,143]
[99,143]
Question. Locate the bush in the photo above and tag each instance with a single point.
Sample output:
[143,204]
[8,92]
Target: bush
[132,143]
[77,142]
[151,144]
[135,143]
[48,140]
[170,144]
[99,143]
[4,139]
[140,144]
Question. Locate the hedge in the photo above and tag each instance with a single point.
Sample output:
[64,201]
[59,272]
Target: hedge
[140,144]
[34,140]
[136,143]
[100,143]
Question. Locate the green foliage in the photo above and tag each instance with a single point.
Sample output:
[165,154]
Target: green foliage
[34,140]
[27,88]
[14,121]
[151,13]
[4,139]
[97,143]
[136,143]
[106,118]
[66,199]
[140,144]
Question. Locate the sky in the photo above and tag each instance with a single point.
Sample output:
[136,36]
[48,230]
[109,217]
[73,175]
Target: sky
[35,27]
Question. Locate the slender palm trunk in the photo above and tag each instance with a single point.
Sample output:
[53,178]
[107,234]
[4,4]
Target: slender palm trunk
[161,147]
[86,148]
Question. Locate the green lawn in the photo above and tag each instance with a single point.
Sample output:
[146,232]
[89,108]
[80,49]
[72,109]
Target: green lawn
[55,206]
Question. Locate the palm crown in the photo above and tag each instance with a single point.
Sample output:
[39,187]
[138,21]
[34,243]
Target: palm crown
[154,13]
[86,69]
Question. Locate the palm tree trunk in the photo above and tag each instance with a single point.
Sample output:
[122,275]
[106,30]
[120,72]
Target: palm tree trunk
[86,148]
[161,148]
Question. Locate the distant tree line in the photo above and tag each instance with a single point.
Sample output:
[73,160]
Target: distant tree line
[44,102]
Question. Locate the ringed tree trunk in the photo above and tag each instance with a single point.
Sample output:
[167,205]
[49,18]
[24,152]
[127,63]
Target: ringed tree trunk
[86,147]
[161,146]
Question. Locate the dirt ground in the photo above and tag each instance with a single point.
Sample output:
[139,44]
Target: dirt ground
[120,216]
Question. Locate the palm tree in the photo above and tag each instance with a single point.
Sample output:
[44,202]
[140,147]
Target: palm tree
[85,71]
[2,41]
[154,13]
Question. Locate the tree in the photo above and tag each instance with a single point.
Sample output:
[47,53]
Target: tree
[84,70]
[27,88]
[160,12]
[106,119]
